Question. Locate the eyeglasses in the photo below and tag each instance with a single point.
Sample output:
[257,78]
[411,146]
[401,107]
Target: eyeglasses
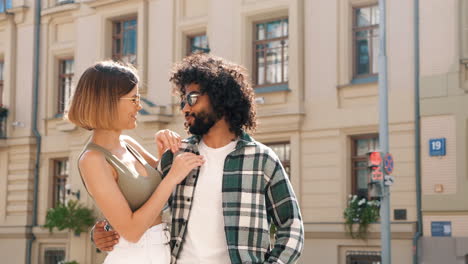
[135,99]
[190,99]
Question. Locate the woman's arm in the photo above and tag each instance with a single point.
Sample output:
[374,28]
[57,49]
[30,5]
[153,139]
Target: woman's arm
[97,175]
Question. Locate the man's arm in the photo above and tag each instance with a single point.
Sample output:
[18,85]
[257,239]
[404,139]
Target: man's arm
[283,209]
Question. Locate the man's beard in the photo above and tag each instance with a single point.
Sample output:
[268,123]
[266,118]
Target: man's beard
[202,123]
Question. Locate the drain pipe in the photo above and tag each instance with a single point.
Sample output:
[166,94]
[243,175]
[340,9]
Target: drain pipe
[417,134]
[37,135]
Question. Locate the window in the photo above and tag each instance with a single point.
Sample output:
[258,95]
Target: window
[361,145]
[363,257]
[54,256]
[3,116]
[60,180]
[283,150]
[62,2]
[2,5]
[65,83]
[366,41]
[124,40]
[271,52]
[197,43]
[1,82]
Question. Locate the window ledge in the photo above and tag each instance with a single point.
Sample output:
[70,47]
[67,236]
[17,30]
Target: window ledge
[60,7]
[99,3]
[65,126]
[17,11]
[359,81]
[273,88]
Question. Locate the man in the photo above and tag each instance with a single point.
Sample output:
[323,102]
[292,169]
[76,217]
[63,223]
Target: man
[221,213]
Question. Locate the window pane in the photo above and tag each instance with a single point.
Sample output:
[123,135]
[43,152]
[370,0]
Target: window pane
[375,53]
[129,42]
[274,29]
[362,56]
[8,5]
[363,146]
[362,178]
[375,15]
[1,69]
[117,48]
[117,27]
[283,151]
[69,66]
[260,57]
[363,17]
[130,24]
[60,180]
[284,24]
[288,152]
[199,43]
[54,256]
[260,31]
[286,61]
[273,60]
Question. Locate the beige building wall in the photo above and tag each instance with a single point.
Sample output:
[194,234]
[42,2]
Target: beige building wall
[444,115]
[317,115]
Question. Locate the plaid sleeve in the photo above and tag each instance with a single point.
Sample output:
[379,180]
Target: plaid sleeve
[283,210]
[164,166]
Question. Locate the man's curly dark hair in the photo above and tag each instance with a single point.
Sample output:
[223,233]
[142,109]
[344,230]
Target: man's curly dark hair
[227,85]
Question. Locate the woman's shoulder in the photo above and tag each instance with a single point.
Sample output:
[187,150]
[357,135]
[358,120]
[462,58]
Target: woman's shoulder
[91,157]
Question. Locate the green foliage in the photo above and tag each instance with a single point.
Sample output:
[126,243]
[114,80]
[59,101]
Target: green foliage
[72,216]
[68,262]
[361,212]
[3,111]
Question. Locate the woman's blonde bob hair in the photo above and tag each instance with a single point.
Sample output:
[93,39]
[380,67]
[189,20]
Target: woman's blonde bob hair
[94,103]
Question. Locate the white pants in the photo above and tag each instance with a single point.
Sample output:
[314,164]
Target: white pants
[152,248]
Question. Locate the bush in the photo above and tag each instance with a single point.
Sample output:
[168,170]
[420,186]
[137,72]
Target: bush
[361,212]
[71,216]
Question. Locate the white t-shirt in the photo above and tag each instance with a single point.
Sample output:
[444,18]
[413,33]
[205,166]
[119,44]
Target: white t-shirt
[205,240]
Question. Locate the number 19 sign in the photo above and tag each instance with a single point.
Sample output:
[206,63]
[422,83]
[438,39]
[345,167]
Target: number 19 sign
[437,147]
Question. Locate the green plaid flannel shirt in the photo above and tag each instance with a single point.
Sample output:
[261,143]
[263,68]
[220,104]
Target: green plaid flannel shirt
[255,191]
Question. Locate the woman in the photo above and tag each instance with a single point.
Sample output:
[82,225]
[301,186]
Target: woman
[117,171]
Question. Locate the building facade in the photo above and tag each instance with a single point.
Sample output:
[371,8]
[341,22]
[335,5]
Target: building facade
[314,67]
[444,116]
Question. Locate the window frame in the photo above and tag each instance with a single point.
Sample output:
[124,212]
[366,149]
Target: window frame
[355,158]
[285,163]
[45,250]
[3,120]
[61,83]
[354,30]
[118,56]
[2,62]
[55,177]
[255,42]
[364,255]
[188,44]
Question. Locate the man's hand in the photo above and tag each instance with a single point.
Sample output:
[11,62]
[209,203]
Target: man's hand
[104,240]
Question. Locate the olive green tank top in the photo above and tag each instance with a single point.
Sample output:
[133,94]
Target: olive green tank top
[135,188]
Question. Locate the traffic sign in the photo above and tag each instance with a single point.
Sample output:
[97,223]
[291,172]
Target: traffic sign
[389,180]
[388,163]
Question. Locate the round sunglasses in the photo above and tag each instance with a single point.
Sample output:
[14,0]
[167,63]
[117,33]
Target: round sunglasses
[190,99]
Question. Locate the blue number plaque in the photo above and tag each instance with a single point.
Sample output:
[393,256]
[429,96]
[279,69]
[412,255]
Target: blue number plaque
[437,147]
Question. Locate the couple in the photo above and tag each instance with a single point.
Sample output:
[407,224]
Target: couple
[224,188]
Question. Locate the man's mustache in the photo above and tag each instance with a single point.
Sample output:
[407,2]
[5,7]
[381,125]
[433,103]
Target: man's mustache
[187,114]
